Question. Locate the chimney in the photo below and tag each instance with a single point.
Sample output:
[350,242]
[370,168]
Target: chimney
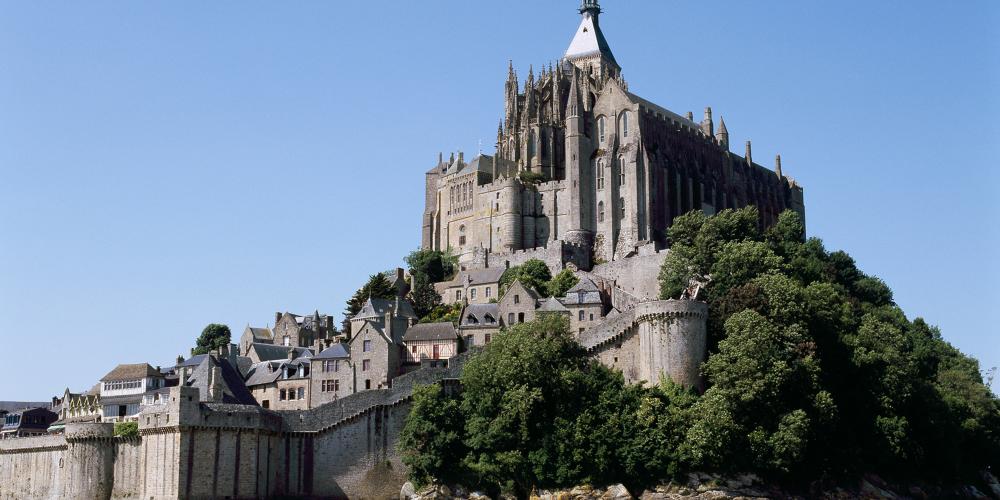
[777,166]
[749,155]
[292,353]
[689,115]
[277,317]
[388,323]
[215,384]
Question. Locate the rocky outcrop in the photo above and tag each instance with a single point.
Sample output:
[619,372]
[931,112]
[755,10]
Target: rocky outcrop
[700,486]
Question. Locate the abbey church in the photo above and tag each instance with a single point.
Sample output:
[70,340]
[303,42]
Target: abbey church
[587,172]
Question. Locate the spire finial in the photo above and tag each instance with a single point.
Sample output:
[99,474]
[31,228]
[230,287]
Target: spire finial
[590,6]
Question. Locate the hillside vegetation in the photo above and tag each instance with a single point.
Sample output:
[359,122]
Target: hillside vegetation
[813,372]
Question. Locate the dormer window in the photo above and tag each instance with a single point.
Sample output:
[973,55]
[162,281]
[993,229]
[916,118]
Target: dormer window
[489,319]
[472,320]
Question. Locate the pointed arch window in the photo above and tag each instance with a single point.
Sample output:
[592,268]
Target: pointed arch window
[531,144]
[625,124]
[600,174]
[600,129]
[600,211]
[621,202]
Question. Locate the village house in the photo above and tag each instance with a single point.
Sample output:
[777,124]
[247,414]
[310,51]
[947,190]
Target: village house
[122,390]
[281,384]
[518,304]
[292,330]
[27,422]
[76,407]
[479,324]
[430,341]
[332,375]
[474,286]
[254,335]
[585,305]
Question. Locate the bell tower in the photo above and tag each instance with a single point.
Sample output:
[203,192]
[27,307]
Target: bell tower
[589,50]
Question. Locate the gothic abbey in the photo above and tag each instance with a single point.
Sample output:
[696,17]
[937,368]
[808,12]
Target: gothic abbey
[583,163]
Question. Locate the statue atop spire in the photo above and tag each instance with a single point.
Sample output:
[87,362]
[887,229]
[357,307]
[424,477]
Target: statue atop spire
[590,6]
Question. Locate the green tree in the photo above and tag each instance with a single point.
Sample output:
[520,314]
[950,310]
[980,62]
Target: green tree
[377,287]
[533,274]
[431,440]
[434,265]
[561,283]
[212,337]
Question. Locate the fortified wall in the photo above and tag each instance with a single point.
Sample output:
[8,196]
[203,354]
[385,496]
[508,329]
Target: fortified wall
[190,449]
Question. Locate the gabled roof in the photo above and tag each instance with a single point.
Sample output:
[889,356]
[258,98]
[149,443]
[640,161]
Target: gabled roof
[192,361]
[260,333]
[585,292]
[552,305]
[336,351]
[374,308]
[519,287]
[476,315]
[259,374]
[476,277]
[131,372]
[431,331]
[234,390]
[270,352]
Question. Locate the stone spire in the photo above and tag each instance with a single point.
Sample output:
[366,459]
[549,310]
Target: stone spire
[777,166]
[706,124]
[749,155]
[573,103]
[722,135]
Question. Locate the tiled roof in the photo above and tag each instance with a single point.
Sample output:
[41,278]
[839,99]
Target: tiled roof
[131,372]
[431,331]
[585,292]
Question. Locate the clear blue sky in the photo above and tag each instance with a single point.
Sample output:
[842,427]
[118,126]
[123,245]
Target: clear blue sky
[164,165]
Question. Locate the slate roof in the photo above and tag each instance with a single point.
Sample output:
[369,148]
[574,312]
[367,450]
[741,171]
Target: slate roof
[431,331]
[476,277]
[259,374]
[336,351]
[589,40]
[192,361]
[131,372]
[552,305]
[585,292]
[376,308]
[278,352]
[13,406]
[260,333]
[479,312]
[234,390]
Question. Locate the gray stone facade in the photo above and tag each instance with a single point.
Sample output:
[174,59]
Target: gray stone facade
[583,161]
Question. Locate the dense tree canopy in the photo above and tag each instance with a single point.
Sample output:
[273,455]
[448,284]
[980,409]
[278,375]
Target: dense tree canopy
[426,268]
[212,337]
[813,371]
[377,287]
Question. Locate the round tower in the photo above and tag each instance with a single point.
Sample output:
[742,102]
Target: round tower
[509,215]
[90,451]
[672,340]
